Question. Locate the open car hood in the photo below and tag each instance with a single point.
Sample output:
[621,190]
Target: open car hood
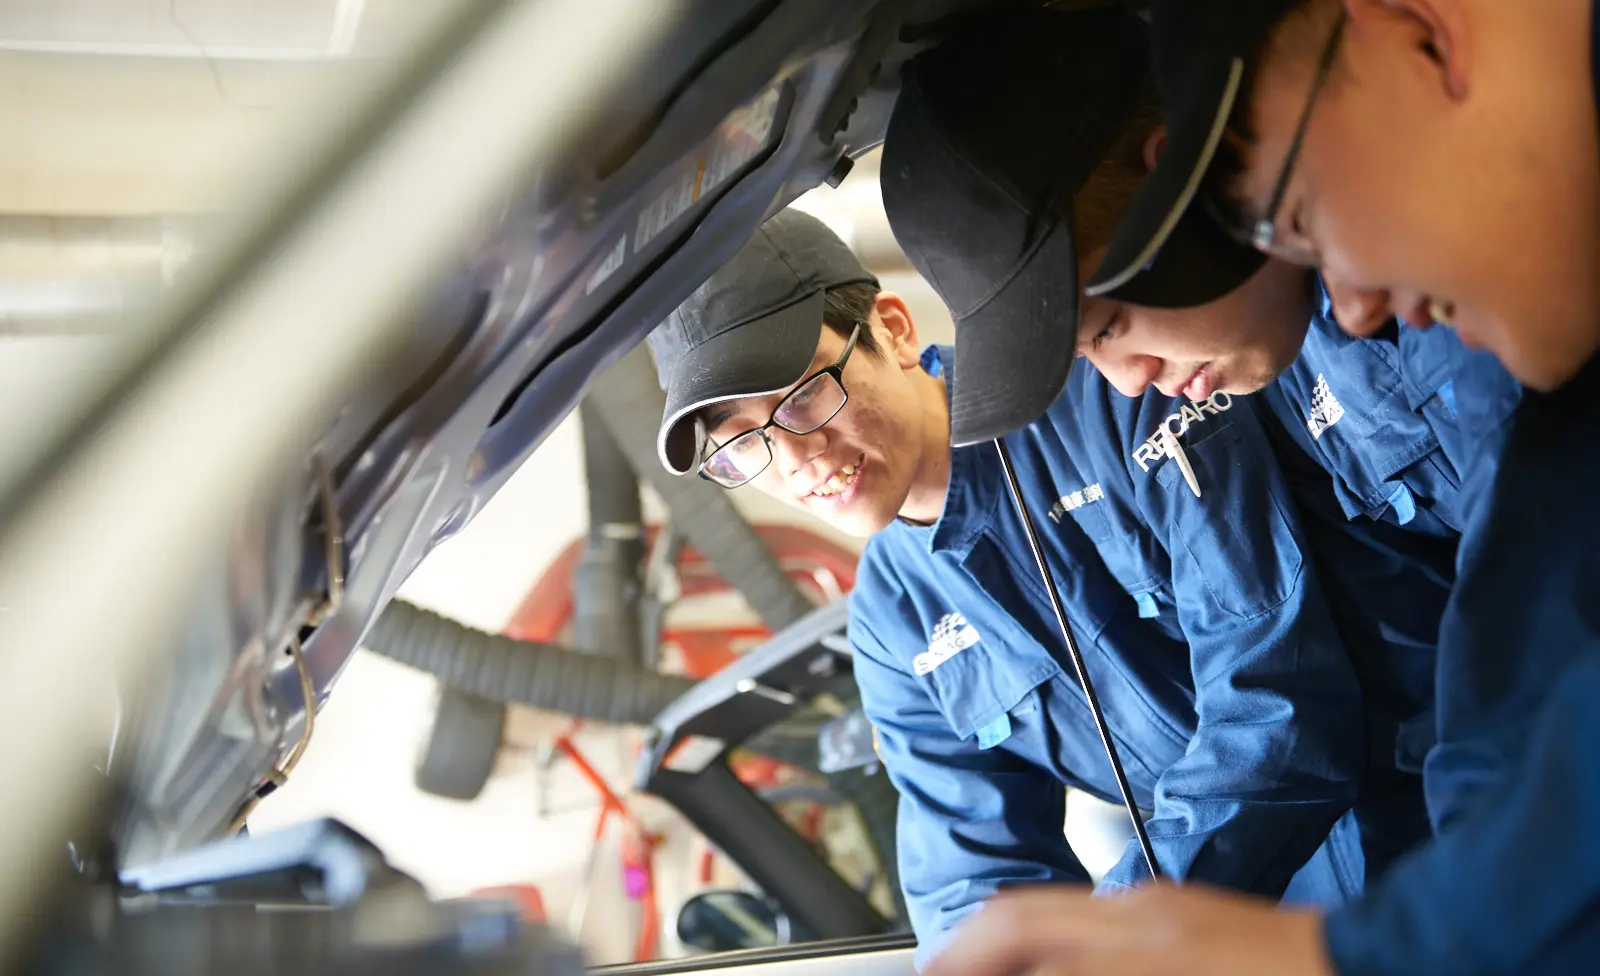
[753,103]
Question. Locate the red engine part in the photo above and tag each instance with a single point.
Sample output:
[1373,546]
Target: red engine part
[819,565]
[822,567]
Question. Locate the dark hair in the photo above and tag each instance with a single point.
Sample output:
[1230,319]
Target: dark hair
[1299,31]
[1104,199]
[847,306]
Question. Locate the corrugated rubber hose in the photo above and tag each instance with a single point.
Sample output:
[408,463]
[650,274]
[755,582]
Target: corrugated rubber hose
[604,688]
[547,676]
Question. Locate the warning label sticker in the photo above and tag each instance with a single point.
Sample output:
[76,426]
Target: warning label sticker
[610,266]
[741,137]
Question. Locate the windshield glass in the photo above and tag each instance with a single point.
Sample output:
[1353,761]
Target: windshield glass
[846,815]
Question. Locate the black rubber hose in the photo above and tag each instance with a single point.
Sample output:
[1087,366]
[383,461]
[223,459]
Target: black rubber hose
[612,486]
[631,403]
[547,676]
[607,582]
[604,689]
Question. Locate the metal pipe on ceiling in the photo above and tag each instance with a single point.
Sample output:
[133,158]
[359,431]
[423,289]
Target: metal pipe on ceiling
[75,274]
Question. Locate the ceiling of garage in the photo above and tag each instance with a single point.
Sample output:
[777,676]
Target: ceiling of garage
[126,119]
[229,29]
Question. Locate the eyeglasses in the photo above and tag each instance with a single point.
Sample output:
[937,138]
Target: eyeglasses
[809,406]
[1264,235]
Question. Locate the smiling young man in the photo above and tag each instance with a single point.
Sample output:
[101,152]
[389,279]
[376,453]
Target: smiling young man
[864,440]
[816,391]
[1490,218]
[1175,539]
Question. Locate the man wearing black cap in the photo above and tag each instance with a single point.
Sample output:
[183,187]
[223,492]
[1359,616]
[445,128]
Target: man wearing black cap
[1491,203]
[1224,680]
[979,723]
[862,440]
[1383,465]
[969,148]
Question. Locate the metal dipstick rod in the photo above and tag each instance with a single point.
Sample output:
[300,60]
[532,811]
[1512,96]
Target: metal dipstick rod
[1077,659]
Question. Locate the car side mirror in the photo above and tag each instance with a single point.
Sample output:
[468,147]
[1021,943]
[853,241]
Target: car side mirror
[722,920]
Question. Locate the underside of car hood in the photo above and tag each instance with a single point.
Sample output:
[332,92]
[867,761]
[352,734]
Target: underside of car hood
[752,102]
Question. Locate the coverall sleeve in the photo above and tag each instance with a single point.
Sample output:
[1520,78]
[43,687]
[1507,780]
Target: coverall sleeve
[1279,750]
[971,820]
[1512,886]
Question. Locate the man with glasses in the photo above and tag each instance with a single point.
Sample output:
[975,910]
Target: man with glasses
[1382,528]
[1181,563]
[1288,116]
[796,304]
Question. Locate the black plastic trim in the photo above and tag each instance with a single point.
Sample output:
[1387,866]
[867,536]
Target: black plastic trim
[761,957]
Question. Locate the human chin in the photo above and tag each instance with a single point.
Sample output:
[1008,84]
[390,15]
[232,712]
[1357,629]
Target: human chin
[863,521]
[1535,360]
[1242,377]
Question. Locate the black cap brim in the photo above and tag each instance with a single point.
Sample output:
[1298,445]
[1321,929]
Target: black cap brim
[1164,207]
[1013,354]
[767,355]
[1198,264]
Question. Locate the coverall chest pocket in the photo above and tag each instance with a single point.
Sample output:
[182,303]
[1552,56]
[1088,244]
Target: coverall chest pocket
[1374,437]
[980,687]
[1236,538]
[1127,550]
[1091,526]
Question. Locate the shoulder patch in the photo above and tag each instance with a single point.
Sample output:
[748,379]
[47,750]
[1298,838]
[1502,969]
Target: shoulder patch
[951,635]
[1326,410]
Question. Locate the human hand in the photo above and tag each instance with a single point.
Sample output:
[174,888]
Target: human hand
[1158,929]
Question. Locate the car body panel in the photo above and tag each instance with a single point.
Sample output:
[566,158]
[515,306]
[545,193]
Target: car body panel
[571,274]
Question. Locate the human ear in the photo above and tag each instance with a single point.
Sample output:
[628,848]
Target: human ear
[894,323]
[1154,145]
[1436,30]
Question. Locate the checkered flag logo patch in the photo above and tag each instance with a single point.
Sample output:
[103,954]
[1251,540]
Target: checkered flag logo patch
[1326,410]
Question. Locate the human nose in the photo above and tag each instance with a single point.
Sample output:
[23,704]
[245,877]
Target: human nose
[1359,311]
[792,452]
[1132,375]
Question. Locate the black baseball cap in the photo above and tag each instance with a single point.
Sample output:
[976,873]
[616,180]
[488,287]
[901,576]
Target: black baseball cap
[994,134]
[751,329]
[1203,50]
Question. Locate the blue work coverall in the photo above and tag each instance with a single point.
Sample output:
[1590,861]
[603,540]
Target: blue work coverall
[1389,444]
[1386,418]
[1205,632]
[1512,884]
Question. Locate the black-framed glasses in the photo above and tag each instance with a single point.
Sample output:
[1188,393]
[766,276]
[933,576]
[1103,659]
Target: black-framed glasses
[815,401]
[1263,234]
